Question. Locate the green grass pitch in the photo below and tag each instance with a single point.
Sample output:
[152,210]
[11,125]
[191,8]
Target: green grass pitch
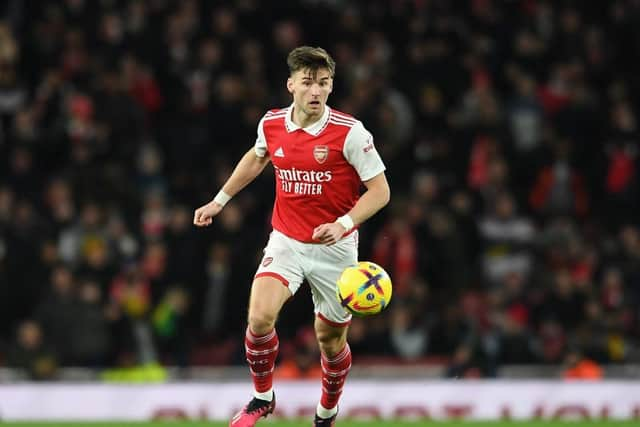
[344,423]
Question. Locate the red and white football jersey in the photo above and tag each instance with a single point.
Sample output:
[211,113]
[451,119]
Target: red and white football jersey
[318,169]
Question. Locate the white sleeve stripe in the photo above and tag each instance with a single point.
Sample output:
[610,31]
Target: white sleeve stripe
[338,120]
[342,116]
[349,125]
[275,116]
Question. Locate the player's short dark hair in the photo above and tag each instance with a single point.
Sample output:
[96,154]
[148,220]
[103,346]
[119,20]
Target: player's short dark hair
[311,58]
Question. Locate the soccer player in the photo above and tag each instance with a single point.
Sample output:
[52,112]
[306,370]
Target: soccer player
[321,157]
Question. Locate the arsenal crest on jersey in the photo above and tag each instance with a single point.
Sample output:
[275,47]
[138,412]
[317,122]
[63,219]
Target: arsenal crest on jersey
[320,153]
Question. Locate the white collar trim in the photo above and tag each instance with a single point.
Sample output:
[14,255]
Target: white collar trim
[314,128]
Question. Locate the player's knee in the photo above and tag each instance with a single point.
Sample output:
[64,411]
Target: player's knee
[330,344]
[261,322]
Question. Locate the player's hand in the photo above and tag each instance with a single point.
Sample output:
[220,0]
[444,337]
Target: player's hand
[328,233]
[203,216]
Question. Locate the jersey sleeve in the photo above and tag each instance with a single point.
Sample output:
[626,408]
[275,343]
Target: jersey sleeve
[260,147]
[361,153]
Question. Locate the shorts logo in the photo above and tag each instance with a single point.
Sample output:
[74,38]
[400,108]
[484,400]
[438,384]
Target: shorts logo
[320,153]
[268,260]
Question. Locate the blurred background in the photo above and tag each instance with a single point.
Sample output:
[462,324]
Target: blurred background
[510,133]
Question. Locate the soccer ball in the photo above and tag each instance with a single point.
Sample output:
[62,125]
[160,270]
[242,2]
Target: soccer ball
[364,289]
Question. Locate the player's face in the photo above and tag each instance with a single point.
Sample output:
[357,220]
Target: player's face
[310,90]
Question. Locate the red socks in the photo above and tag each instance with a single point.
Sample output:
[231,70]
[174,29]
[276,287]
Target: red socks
[334,373]
[261,354]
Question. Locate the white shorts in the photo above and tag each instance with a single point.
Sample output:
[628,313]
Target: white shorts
[291,261]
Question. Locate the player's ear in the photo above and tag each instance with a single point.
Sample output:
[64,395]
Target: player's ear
[290,85]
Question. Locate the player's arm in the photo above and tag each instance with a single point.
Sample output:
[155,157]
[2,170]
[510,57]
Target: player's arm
[372,200]
[247,169]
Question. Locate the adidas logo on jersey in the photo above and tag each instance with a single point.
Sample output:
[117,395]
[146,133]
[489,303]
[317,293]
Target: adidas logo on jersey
[279,152]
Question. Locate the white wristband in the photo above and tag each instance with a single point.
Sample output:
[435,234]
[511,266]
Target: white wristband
[346,222]
[222,198]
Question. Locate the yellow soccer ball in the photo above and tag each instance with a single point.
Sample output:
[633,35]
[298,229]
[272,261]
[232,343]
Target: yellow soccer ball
[364,289]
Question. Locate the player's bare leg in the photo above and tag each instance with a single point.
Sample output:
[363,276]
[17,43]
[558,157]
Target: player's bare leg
[336,362]
[268,295]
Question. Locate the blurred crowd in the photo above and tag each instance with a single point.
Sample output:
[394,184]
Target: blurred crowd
[509,129]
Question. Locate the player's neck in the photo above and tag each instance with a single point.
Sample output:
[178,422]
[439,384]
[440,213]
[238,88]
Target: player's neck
[302,119]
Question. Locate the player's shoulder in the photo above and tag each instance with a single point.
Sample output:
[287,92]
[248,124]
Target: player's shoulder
[275,113]
[342,119]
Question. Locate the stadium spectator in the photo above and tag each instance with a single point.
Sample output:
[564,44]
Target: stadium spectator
[169,326]
[507,238]
[579,367]
[90,332]
[57,311]
[31,354]
[408,330]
